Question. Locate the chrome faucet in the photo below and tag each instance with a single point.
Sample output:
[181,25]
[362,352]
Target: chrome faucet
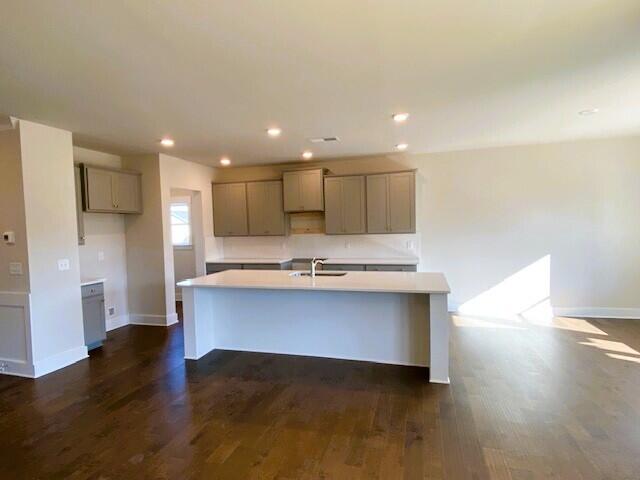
[314,264]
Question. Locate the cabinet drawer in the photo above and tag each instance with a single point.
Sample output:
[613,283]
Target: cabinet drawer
[261,266]
[92,290]
[391,268]
[343,268]
[221,267]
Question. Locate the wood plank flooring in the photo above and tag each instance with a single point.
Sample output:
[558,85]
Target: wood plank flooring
[527,401]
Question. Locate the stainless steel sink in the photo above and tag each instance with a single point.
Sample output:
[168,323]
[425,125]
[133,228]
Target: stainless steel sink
[318,274]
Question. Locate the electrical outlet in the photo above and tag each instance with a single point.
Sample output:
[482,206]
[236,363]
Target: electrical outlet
[101,256]
[4,366]
[15,268]
[63,264]
[112,311]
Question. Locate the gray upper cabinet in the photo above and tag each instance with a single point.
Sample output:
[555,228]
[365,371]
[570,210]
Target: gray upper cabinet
[303,190]
[265,208]
[230,209]
[345,205]
[79,212]
[111,190]
[391,203]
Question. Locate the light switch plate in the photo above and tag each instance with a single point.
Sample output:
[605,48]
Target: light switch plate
[15,268]
[63,264]
[101,256]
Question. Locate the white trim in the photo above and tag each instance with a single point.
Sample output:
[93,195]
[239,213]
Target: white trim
[17,368]
[153,320]
[59,360]
[117,322]
[597,312]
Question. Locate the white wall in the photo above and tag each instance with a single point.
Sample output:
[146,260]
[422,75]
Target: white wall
[105,233]
[57,333]
[485,215]
[176,175]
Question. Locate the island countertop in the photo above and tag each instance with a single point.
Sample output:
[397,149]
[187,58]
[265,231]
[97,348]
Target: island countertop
[390,282]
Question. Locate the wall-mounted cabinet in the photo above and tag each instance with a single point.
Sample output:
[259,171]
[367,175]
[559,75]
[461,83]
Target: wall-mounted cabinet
[107,190]
[303,190]
[230,209]
[345,205]
[79,213]
[264,207]
[391,203]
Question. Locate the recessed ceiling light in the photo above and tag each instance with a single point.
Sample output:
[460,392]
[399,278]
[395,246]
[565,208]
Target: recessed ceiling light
[167,142]
[274,132]
[307,154]
[400,117]
[402,146]
[225,161]
[590,111]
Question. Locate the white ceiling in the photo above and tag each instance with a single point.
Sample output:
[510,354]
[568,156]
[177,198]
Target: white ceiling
[214,75]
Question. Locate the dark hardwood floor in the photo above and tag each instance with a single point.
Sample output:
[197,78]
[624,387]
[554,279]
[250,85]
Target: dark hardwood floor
[526,402]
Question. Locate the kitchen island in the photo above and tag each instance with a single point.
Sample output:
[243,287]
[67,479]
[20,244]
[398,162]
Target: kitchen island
[387,317]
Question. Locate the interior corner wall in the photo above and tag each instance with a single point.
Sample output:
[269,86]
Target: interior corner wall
[145,247]
[57,332]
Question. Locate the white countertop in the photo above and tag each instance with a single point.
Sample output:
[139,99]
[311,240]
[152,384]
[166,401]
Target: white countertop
[373,261]
[250,260]
[91,281]
[390,282]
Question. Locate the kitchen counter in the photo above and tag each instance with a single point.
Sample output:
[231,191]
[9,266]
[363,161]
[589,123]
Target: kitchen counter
[242,260]
[387,317]
[373,261]
[392,282]
[91,281]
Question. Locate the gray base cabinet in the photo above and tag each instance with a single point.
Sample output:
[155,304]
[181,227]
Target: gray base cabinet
[221,267]
[95,328]
[369,268]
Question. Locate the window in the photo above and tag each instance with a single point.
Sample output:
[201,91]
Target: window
[181,224]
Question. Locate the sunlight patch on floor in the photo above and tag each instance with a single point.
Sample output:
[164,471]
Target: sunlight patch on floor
[610,345]
[475,322]
[617,356]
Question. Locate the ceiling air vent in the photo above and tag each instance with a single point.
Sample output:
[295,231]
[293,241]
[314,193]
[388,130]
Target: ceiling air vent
[324,139]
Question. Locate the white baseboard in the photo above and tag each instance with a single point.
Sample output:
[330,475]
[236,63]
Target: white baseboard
[17,368]
[59,360]
[153,320]
[597,312]
[117,322]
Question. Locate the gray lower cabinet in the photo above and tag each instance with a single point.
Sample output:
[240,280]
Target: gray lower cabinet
[391,268]
[345,205]
[95,328]
[221,267]
[343,268]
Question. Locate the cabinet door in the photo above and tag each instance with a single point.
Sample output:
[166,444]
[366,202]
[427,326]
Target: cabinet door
[353,205]
[94,319]
[99,189]
[230,209]
[292,197]
[311,190]
[127,192]
[79,212]
[402,216]
[377,204]
[333,204]
[264,205]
